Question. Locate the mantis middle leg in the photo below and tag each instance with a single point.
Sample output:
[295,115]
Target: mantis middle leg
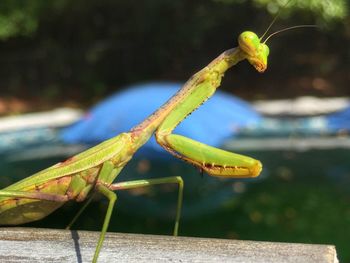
[108,191]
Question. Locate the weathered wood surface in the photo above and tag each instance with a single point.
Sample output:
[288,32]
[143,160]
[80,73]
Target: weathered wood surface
[48,245]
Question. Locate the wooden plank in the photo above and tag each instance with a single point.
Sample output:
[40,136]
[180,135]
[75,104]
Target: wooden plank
[48,245]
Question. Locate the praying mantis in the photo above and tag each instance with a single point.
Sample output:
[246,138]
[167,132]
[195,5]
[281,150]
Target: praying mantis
[95,169]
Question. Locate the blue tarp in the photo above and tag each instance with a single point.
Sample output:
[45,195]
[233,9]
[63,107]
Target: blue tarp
[339,120]
[222,117]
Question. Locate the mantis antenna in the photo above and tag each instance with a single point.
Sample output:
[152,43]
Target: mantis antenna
[274,20]
[286,29]
[282,30]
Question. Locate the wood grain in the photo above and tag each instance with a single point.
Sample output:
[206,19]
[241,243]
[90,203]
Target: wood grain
[49,245]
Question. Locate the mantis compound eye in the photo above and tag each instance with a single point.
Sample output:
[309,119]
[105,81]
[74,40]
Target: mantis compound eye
[249,42]
[264,49]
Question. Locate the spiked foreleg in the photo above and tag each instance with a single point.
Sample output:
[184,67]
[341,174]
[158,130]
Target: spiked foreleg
[212,160]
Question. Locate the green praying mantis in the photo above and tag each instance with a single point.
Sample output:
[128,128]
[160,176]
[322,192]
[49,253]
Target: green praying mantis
[95,169]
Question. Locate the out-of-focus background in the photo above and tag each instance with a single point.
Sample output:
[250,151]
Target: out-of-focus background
[58,59]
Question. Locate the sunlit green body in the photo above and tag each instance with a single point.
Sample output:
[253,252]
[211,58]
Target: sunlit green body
[73,178]
[96,168]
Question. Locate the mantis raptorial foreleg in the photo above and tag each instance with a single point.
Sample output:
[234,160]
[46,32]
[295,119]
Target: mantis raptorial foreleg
[214,161]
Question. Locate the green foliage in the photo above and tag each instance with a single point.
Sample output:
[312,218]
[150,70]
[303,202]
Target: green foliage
[85,49]
[325,11]
[18,17]
[22,17]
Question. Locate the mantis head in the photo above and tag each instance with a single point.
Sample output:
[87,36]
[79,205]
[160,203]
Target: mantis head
[256,51]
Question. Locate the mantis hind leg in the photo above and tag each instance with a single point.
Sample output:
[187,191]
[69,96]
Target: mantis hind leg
[81,210]
[112,199]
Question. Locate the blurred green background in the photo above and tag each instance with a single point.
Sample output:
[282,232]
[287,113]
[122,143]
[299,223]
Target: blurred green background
[74,53]
[81,51]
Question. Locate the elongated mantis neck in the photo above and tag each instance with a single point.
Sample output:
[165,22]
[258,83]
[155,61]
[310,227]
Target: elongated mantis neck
[187,99]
